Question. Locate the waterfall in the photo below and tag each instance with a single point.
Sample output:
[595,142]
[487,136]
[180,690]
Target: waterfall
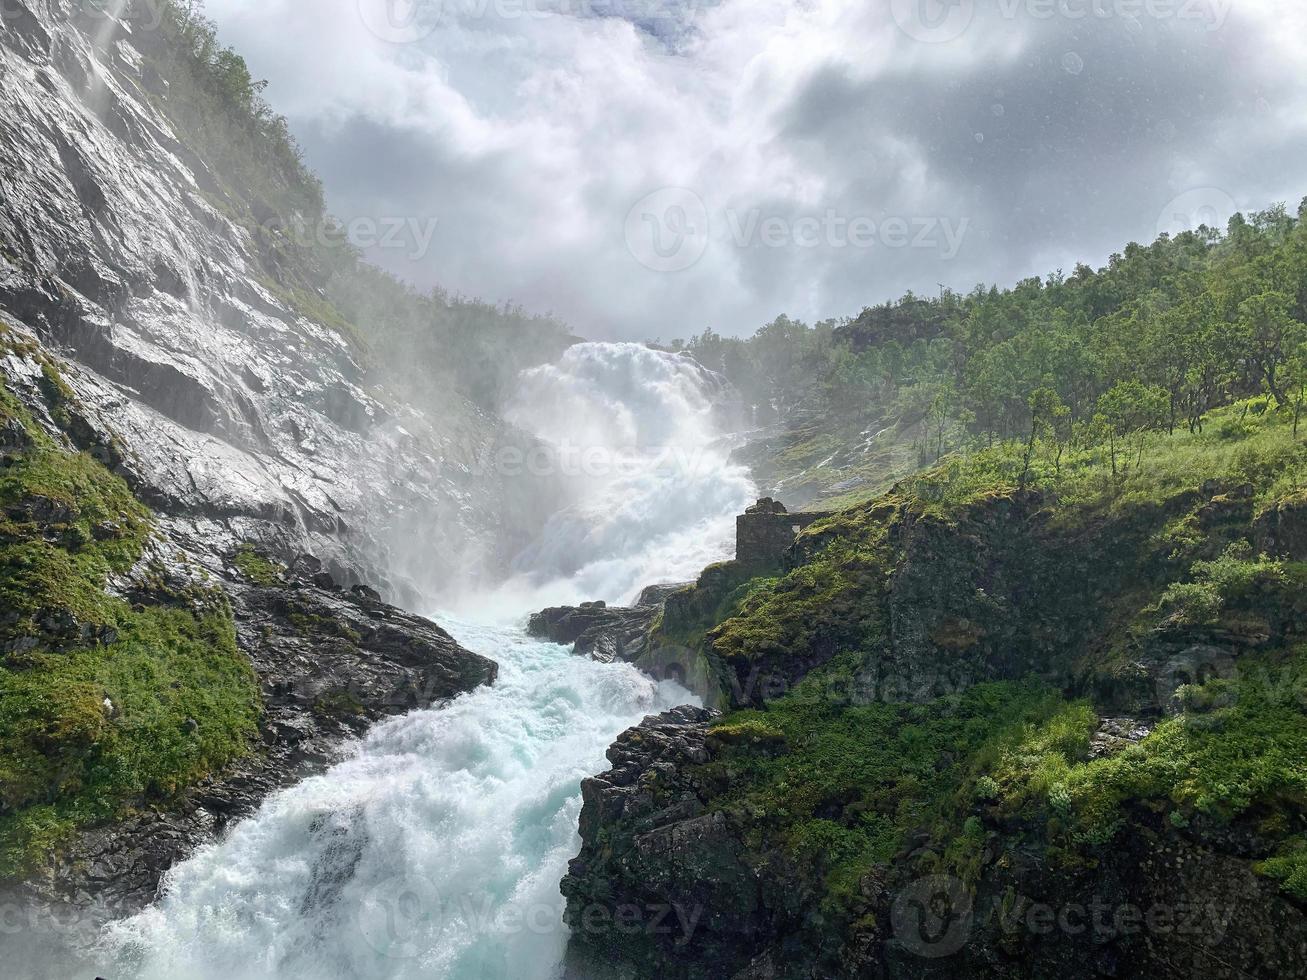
[636,434]
[436,848]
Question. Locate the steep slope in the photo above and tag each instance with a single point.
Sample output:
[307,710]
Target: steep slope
[185,306]
[155,684]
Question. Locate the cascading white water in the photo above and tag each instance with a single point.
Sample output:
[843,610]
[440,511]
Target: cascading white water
[635,434]
[436,849]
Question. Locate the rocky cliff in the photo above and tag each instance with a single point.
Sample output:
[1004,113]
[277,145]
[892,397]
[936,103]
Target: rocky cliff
[975,729]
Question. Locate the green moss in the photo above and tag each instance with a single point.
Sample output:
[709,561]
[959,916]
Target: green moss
[101,703]
[746,731]
[84,732]
[1085,573]
[842,786]
[57,393]
[824,602]
[66,524]
[1290,869]
[339,706]
[1236,752]
[259,570]
[313,624]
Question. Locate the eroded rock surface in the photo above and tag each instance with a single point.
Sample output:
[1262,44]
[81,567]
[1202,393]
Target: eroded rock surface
[596,630]
[236,411]
[330,662]
[670,885]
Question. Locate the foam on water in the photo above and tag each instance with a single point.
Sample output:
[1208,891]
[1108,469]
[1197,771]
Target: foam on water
[434,851]
[636,434]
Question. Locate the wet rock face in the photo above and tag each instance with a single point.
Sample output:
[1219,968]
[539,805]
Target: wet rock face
[596,630]
[667,884]
[236,418]
[118,251]
[655,811]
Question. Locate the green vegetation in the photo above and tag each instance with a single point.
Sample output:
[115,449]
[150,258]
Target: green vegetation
[85,731]
[1154,341]
[1238,749]
[1233,576]
[851,782]
[102,703]
[214,99]
[1290,869]
[1108,560]
[819,603]
[312,624]
[257,568]
[1245,443]
[66,524]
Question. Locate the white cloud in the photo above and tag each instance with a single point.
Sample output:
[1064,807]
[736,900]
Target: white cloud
[530,134]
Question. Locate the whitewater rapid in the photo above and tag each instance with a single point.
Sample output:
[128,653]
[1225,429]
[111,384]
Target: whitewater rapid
[435,850]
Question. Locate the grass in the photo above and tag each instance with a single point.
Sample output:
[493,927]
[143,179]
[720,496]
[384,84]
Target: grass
[843,786]
[258,569]
[84,732]
[1239,749]
[103,704]
[1239,445]
[66,524]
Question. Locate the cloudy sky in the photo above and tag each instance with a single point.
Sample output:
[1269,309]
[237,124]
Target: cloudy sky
[649,168]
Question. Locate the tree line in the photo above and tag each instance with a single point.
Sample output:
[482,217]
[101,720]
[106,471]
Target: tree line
[1154,340]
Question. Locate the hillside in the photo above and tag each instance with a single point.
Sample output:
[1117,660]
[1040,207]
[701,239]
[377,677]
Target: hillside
[1029,703]
[1153,340]
[996,688]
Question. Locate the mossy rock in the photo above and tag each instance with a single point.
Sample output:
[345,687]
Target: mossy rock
[102,703]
